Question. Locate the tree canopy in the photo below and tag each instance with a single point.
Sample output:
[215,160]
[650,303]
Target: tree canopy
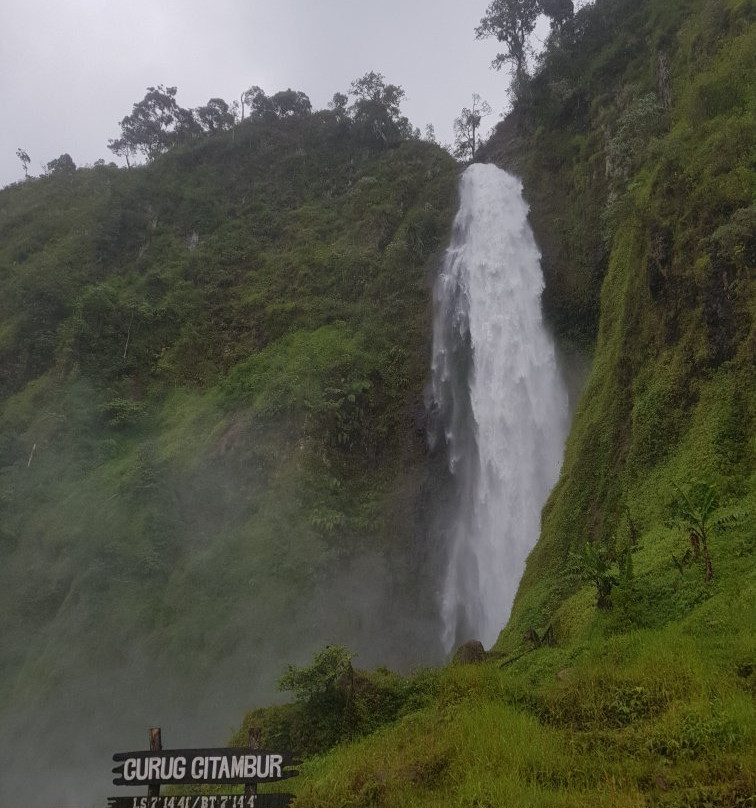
[283,104]
[511,22]
[157,123]
[151,126]
[216,116]
[376,110]
[62,165]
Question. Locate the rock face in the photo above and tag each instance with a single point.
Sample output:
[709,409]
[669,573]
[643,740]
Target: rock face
[470,653]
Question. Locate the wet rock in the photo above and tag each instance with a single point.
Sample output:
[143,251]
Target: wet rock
[470,653]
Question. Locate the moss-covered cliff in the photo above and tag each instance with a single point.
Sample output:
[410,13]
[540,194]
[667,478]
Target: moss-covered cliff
[666,134]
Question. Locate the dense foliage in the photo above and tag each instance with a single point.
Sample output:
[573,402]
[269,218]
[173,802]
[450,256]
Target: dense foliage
[210,376]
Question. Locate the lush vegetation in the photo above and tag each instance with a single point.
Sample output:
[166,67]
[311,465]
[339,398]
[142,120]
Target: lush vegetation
[626,674]
[211,374]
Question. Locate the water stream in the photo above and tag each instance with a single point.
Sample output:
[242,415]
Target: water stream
[500,401]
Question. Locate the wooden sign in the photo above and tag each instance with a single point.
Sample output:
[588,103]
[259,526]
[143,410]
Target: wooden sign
[204,801]
[205,766]
[158,767]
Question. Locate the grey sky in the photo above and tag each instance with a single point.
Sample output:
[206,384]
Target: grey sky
[71,69]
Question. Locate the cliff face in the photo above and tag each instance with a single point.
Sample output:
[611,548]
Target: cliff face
[634,143]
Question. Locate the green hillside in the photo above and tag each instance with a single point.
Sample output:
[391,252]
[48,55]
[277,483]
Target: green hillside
[625,676]
[211,374]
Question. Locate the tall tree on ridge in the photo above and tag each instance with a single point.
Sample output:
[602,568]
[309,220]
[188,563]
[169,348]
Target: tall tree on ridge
[467,125]
[25,160]
[376,111]
[511,22]
[150,127]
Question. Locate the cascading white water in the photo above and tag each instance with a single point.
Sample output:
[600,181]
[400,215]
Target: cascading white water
[499,399]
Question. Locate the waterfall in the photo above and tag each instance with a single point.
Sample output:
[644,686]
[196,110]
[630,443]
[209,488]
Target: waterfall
[500,403]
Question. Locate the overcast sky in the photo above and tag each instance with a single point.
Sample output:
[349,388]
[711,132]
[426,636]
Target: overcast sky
[71,69]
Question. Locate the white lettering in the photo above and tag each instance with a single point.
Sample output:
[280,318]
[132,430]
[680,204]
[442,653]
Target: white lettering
[275,766]
[129,769]
[237,766]
[223,769]
[140,770]
[154,767]
[211,771]
[179,769]
[198,768]
[250,765]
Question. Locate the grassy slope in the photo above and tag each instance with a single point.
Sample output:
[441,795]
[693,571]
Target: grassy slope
[651,701]
[216,359]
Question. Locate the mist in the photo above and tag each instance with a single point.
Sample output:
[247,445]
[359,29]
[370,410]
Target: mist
[88,688]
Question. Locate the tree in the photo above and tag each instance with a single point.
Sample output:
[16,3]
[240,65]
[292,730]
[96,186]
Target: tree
[376,109]
[693,510]
[339,104]
[187,127]
[511,22]
[25,160]
[559,13]
[151,126]
[62,165]
[594,565]
[466,127]
[291,104]
[260,106]
[121,147]
[328,668]
[215,116]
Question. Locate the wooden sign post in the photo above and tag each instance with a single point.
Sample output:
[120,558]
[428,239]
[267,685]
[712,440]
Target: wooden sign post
[254,743]
[156,745]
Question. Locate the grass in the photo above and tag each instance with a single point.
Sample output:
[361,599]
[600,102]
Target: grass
[658,716]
